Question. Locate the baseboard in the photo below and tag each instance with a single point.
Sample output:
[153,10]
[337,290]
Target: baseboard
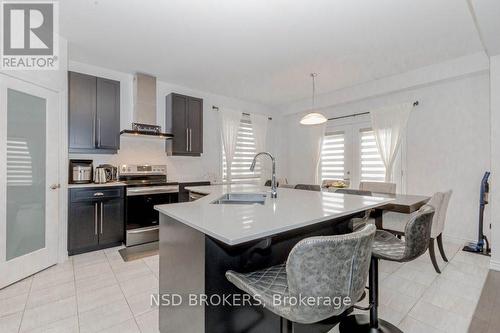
[495,265]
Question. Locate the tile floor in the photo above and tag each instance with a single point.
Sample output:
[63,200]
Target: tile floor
[99,292]
[486,317]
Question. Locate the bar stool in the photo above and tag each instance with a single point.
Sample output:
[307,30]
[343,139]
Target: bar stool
[322,267]
[388,247]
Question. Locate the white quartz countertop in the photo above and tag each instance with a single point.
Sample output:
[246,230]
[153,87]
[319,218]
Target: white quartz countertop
[235,224]
[90,185]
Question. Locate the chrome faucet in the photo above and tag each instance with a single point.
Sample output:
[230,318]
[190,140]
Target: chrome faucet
[274,192]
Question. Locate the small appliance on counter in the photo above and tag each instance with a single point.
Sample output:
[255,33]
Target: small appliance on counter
[110,171]
[100,175]
[80,171]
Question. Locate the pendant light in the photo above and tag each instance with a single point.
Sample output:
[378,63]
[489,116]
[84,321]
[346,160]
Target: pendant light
[313,118]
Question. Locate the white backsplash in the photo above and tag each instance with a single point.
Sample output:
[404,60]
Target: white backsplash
[152,151]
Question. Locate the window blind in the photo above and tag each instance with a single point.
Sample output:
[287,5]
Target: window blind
[332,164]
[244,153]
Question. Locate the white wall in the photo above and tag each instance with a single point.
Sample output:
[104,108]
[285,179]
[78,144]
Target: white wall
[495,161]
[448,143]
[136,150]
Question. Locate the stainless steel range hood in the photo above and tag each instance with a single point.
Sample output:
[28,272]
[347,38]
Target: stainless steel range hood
[144,115]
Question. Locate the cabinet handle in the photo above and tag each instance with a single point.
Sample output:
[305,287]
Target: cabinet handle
[102,209]
[98,194]
[190,141]
[95,218]
[99,133]
[94,131]
[187,139]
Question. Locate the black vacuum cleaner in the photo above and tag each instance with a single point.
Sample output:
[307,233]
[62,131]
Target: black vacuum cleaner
[482,246]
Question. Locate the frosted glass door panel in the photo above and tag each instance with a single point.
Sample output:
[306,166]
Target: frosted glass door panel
[26,173]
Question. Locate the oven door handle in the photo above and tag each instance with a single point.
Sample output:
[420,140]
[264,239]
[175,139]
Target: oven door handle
[140,230]
[132,191]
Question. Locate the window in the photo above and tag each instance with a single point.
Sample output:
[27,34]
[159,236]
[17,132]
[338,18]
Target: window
[332,164]
[350,153]
[372,167]
[245,151]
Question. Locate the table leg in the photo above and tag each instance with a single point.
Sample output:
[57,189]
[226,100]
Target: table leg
[377,215]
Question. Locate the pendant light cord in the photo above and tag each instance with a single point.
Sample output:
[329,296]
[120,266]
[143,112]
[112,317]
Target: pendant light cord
[313,75]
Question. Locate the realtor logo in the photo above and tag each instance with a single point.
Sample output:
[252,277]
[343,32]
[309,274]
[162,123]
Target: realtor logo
[29,35]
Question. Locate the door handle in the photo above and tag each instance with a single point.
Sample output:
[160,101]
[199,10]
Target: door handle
[102,209]
[190,140]
[187,139]
[55,186]
[95,218]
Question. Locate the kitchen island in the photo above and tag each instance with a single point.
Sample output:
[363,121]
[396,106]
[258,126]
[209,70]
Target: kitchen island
[201,240]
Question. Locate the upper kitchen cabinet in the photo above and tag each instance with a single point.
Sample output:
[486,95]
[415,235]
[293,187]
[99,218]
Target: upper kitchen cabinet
[94,114]
[184,119]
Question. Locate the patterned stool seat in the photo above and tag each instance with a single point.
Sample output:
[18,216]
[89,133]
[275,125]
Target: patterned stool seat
[322,269]
[387,246]
[265,283]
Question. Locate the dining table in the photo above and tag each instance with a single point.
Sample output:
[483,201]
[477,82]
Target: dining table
[401,203]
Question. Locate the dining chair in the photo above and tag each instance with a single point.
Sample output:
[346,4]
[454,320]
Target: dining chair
[387,246]
[308,187]
[279,182]
[323,267]
[394,223]
[378,187]
[356,223]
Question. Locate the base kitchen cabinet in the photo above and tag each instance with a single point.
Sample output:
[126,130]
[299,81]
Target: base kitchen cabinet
[184,194]
[95,218]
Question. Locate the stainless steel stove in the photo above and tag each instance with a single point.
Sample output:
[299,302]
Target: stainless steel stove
[146,186]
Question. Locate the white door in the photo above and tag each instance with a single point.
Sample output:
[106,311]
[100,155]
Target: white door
[337,153]
[350,153]
[29,154]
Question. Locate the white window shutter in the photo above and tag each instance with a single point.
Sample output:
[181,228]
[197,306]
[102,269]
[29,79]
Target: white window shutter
[244,154]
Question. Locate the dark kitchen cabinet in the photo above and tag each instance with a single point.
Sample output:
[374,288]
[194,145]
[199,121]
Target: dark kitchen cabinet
[95,219]
[82,111]
[184,194]
[82,227]
[184,119]
[108,114]
[112,221]
[94,114]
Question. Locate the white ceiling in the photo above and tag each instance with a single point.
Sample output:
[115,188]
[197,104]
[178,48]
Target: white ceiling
[487,13]
[264,50]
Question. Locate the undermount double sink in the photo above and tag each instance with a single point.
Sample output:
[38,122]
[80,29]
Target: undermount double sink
[241,199]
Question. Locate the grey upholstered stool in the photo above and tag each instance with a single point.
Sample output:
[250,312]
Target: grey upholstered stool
[326,267]
[388,247]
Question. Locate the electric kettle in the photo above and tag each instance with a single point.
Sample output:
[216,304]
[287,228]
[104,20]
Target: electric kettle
[100,175]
